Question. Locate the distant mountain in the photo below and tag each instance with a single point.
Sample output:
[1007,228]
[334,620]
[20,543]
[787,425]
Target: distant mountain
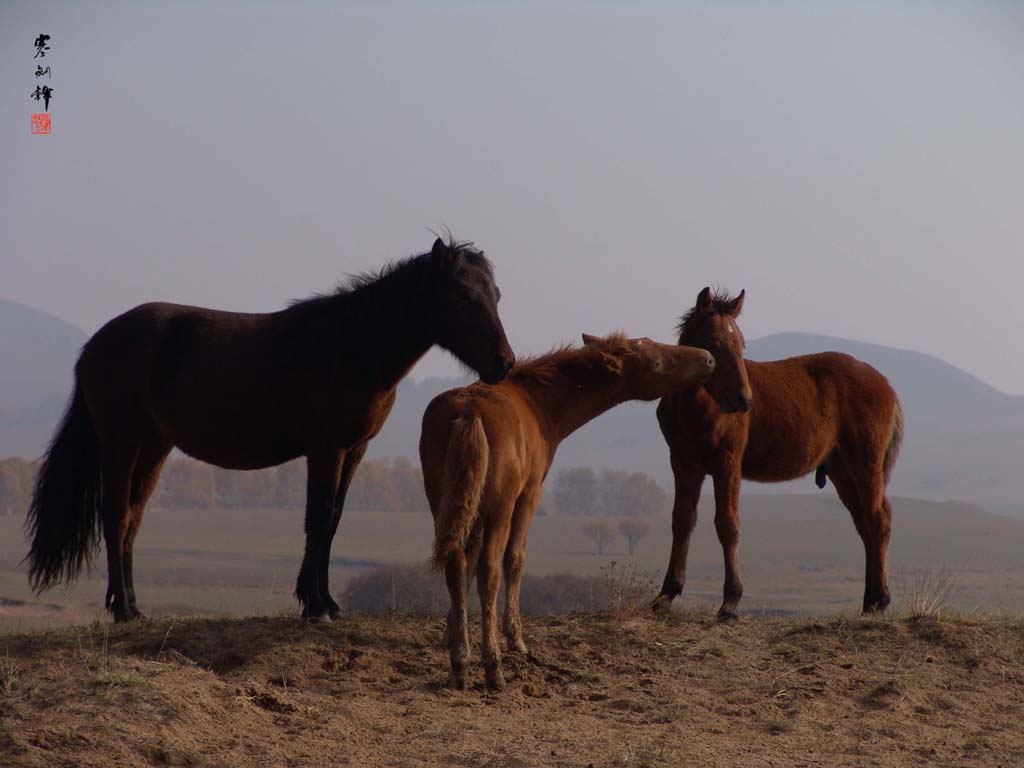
[37,357]
[964,438]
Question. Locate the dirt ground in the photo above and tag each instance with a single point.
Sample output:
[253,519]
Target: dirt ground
[595,690]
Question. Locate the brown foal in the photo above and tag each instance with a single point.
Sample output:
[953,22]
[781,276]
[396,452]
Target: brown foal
[771,422]
[486,449]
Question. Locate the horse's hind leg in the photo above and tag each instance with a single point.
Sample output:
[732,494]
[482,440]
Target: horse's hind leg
[323,470]
[471,554]
[515,560]
[861,489]
[496,532]
[152,456]
[118,463]
[456,633]
[348,469]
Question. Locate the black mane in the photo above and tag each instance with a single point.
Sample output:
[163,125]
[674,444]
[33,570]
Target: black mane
[399,279]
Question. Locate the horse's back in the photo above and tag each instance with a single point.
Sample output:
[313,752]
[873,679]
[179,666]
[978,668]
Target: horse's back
[805,406]
[234,389]
[821,376]
[511,428]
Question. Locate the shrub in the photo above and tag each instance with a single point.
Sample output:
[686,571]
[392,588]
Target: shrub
[406,588]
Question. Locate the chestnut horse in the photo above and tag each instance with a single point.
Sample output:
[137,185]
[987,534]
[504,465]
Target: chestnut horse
[246,391]
[772,422]
[485,452]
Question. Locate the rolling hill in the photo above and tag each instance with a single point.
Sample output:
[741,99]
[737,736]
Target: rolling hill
[37,355]
[963,437]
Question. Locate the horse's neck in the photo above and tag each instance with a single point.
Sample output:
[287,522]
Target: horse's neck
[384,338]
[394,363]
[699,408]
[567,405]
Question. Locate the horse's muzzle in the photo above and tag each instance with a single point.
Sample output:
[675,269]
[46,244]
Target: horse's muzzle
[498,370]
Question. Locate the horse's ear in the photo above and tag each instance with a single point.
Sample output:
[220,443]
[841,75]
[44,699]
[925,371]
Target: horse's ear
[705,303]
[736,305]
[444,258]
[588,339]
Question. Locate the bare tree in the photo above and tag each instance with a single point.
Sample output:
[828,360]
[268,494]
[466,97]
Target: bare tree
[634,529]
[601,532]
[575,491]
[634,494]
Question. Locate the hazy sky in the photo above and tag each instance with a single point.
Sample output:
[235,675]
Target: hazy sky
[857,167]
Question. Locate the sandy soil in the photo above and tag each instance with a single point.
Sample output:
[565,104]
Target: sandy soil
[595,690]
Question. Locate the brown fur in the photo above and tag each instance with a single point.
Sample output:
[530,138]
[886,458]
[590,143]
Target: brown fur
[772,422]
[485,452]
[465,471]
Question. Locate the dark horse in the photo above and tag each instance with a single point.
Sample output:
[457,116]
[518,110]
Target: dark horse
[777,421]
[246,391]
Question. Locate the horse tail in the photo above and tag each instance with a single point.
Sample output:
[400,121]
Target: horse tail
[465,471]
[63,519]
[895,439]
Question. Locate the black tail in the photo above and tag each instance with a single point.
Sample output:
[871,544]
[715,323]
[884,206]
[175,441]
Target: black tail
[63,519]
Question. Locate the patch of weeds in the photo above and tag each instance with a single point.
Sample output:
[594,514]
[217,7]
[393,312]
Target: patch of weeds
[930,593]
[627,589]
[10,674]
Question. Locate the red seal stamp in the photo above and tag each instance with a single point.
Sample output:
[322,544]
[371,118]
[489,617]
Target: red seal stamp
[41,123]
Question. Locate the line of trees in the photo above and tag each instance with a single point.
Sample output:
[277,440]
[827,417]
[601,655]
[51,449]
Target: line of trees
[602,532]
[610,493]
[389,486]
[385,485]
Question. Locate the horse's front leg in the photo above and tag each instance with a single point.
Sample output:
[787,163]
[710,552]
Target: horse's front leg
[688,481]
[727,524]
[348,468]
[323,471]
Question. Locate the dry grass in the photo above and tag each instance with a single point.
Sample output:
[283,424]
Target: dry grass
[940,689]
[931,593]
[10,671]
[627,589]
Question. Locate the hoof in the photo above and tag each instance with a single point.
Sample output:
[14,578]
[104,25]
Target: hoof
[877,603]
[334,613]
[519,645]
[324,617]
[124,615]
[457,681]
[727,617]
[662,605]
[496,681]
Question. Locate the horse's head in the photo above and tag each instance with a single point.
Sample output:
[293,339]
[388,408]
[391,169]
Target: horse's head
[648,370]
[711,325]
[464,313]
